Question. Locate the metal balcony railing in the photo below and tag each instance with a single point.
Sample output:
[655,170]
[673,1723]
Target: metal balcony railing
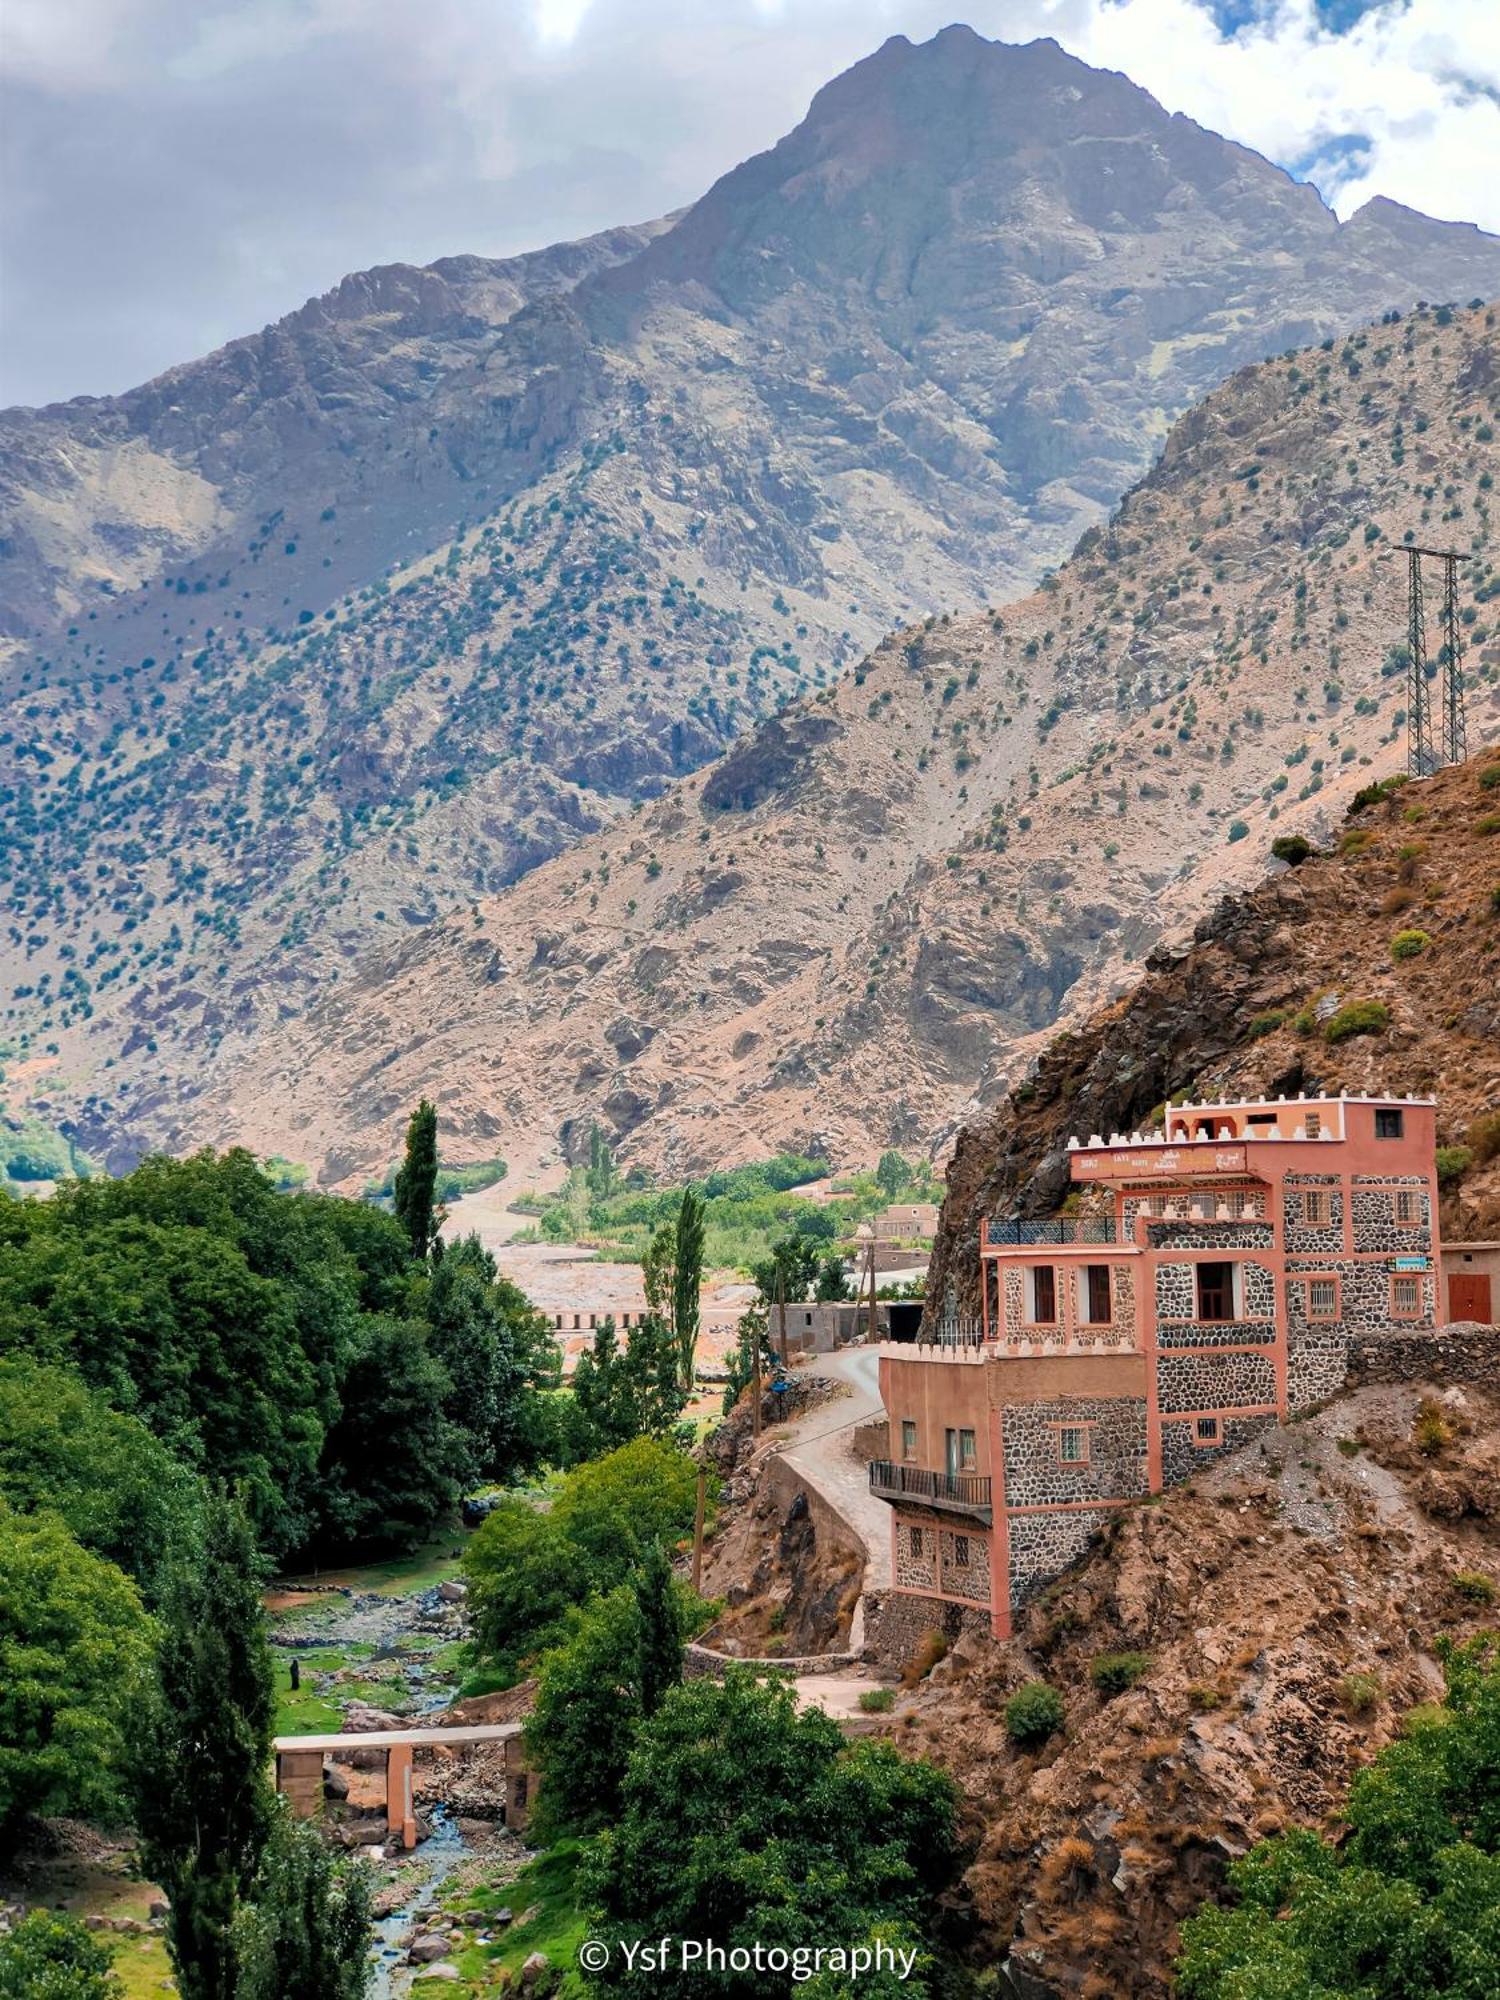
[965,1492]
[1021,1231]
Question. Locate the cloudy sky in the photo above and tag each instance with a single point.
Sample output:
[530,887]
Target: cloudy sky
[176,172]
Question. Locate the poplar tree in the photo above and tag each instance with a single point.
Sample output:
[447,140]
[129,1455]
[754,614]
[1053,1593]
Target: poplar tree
[201,1750]
[416,1181]
[660,1628]
[687,1281]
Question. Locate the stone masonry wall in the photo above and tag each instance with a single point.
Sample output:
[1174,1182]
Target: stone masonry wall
[1215,1381]
[1043,1545]
[1181,1456]
[1374,1225]
[1301,1237]
[970,1577]
[916,1554]
[1463,1352]
[1116,1468]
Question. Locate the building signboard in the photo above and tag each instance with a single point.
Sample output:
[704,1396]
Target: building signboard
[1141,1161]
[1410,1264]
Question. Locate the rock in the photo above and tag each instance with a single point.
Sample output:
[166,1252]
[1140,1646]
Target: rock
[503,1917]
[452,1591]
[424,1950]
[158,1907]
[535,1968]
[335,1784]
[529,1916]
[474,1919]
[444,1969]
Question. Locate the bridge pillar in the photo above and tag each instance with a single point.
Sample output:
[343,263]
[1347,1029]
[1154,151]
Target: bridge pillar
[401,1817]
[299,1773]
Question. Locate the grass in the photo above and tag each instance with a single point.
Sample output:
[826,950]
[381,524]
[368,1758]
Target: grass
[143,1967]
[549,1883]
[399,1576]
[877,1701]
[308,1712]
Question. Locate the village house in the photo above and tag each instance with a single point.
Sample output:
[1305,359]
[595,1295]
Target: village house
[1210,1283]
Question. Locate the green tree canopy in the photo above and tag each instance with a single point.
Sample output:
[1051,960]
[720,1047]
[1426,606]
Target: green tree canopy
[416,1182]
[1408,1904]
[304,1934]
[74,1639]
[49,1956]
[687,1281]
[120,1491]
[614,1507]
[200,1750]
[745,1819]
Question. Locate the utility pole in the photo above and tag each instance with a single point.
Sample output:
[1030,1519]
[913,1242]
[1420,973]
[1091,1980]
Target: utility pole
[1421,757]
[1455,726]
[870,1322]
[755,1386]
[781,1310]
[1423,753]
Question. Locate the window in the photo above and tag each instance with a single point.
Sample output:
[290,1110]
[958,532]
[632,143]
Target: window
[960,1552]
[1312,1125]
[1406,1295]
[1216,1291]
[1157,1205]
[1098,1294]
[1208,1430]
[1407,1206]
[1322,1298]
[1073,1444]
[914,1542]
[1044,1295]
[1388,1124]
[908,1440]
[967,1457]
[1318,1210]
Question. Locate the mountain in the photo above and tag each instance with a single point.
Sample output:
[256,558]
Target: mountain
[370,614]
[867,917]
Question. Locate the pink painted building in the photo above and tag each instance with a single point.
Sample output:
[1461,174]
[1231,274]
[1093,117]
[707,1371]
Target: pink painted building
[1209,1284]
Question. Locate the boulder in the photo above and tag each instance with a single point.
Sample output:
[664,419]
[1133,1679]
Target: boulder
[424,1950]
[535,1968]
[452,1591]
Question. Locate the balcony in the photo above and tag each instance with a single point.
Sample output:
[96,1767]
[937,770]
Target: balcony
[953,1492]
[1019,1232]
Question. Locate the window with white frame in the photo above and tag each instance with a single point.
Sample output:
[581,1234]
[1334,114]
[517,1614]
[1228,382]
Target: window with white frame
[1043,1295]
[1322,1298]
[1406,1295]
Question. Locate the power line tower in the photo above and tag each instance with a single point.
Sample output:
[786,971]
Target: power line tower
[1421,757]
[1455,727]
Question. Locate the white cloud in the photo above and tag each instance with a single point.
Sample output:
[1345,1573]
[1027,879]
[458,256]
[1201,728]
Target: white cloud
[178,172]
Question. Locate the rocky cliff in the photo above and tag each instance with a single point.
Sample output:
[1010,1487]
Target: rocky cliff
[1246,1009]
[370,613]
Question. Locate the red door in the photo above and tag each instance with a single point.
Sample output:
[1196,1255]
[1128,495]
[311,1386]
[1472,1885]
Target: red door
[1469,1296]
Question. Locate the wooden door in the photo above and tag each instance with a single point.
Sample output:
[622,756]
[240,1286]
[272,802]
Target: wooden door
[1469,1297]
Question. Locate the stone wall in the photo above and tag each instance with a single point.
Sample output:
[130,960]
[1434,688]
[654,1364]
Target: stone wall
[970,1577]
[1374,1225]
[1116,1468]
[1301,1237]
[916,1554]
[1043,1545]
[895,1624]
[1182,1456]
[1463,1352]
[1215,1382]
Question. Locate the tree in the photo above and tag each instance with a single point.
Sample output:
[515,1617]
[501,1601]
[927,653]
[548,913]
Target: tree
[394,1461]
[120,1491]
[893,1173]
[620,1395]
[833,1281]
[614,1507]
[73,1639]
[523,1576]
[746,1820]
[1407,1903]
[687,1281]
[601,1175]
[660,1623]
[201,1749]
[416,1182]
[498,1352]
[305,1932]
[588,1708]
[49,1956]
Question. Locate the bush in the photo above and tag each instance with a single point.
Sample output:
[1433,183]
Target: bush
[1474,1585]
[877,1701]
[931,1648]
[1291,848]
[1484,1137]
[1431,1430]
[1409,944]
[1453,1162]
[50,1956]
[1266,1024]
[1489,778]
[1113,1673]
[1360,1017]
[1489,824]
[1359,1692]
[1238,830]
[1032,1714]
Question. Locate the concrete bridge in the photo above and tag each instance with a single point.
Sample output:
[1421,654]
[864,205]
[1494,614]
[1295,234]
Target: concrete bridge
[299,1768]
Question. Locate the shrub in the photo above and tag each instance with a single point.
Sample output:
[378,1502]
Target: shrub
[1032,1714]
[877,1701]
[1409,944]
[1360,1017]
[1484,1137]
[1489,824]
[1489,778]
[1355,841]
[1431,1430]
[1474,1585]
[1396,900]
[1238,830]
[1453,1162]
[1112,1673]
[1266,1024]
[931,1647]
[1291,848]
[1359,1692]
